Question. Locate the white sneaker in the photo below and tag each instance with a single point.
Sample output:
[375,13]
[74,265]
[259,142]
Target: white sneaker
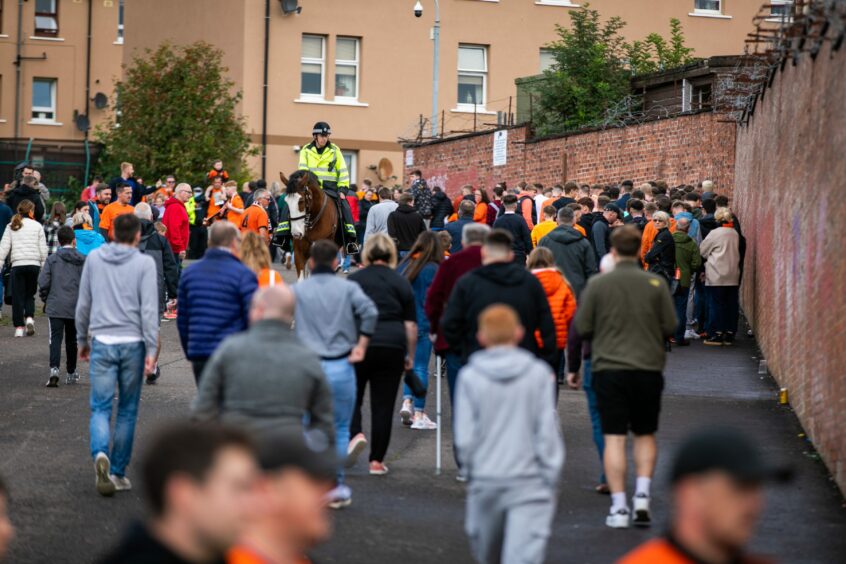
[105,486]
[339,497]
[641,510]
[53,382]
[354,450]
[122,483]
[422,422]
[406,412]
[618,520]
[691,334]
[30,327]
[19,331]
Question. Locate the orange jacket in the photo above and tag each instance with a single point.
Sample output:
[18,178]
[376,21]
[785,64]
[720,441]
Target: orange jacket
[481,213]
[264,279]
[649,234]
[562,303]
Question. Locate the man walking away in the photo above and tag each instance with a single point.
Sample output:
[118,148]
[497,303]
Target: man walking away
[627,313]
[335,319]
[263,395]
[405,224]
[516,226]
[214,296]
[59,290]
[118,332]
[421,195]
[199,482]
[377,217]
[573,253]
[717,479]
[512,457]
[500,280]
[688,262]
[456,228]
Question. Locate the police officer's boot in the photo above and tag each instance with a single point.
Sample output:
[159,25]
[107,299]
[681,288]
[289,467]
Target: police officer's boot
[350,235]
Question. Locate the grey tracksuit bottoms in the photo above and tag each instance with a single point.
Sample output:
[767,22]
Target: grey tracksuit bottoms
[509,524]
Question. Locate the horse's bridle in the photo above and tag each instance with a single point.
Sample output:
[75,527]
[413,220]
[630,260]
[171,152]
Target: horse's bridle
[309,220]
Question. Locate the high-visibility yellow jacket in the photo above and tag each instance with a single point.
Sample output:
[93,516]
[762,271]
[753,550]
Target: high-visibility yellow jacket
[191,208]
[327,166]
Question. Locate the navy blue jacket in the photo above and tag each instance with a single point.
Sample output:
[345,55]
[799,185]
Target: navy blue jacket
[214,302]
[516,225]
[5,217]
[454,229]
[138,189]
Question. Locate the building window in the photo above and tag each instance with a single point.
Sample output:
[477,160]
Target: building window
[547,59]
[1,16]
[472,76]
[781,9]
[44,99]
[312,66]
[120,22]
[351,158]
[346,67]
[707,6]
[47,18]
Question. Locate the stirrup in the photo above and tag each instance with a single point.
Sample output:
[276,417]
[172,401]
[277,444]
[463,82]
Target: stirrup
[352,248]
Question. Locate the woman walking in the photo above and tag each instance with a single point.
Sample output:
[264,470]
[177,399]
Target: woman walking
[391,349]
[419,268]
[256,256]
[562,300]
[25,243]
[58,216]
[721,252]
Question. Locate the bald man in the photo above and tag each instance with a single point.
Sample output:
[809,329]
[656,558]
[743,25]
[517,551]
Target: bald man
[246,383]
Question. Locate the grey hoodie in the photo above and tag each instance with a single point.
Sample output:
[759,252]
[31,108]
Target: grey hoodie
[59,282]
[520,443]
[574,255]
[125,284]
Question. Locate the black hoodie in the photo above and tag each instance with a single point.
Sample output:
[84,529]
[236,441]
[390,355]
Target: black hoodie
[23,192]
[155,245]
[441,209]
[404,225]
[139,547]
[574,255]
[503,283]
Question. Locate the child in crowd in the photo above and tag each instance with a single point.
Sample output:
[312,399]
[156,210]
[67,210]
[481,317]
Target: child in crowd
[512,457]
[218,170]
[59,284]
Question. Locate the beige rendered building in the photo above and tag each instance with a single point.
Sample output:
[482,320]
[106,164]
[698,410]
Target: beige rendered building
[50,75]
[364,66]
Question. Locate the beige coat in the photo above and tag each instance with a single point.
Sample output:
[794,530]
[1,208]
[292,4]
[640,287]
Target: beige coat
[721,250]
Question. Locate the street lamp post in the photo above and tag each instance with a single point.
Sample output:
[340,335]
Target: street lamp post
[436,61]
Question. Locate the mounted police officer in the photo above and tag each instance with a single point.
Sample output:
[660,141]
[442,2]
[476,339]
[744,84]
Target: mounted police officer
[324,159]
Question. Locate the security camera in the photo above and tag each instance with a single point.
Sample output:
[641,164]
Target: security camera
[418,9]
[296,148]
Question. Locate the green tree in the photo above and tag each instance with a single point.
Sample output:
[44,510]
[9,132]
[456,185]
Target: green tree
[175,113]
[593,66]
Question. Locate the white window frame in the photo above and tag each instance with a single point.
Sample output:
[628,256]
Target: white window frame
[44,109]
[561,3]
[352,166]
[776,17]
[541,52]
[312,61]
[462,106]
[717,12]
[346,63]
[120,28]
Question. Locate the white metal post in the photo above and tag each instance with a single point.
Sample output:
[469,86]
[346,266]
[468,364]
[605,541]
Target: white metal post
[438,415]
[436,63]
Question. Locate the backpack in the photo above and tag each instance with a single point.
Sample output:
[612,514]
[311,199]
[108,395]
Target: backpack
[534,208]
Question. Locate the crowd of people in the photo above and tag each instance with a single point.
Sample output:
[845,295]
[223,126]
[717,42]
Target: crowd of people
[506,289]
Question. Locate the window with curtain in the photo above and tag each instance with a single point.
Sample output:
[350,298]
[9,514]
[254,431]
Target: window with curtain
[47,18]
[547,59]
[312,66]
[44,99]
[346,67]
[472,75]
[120,22]
[707,6]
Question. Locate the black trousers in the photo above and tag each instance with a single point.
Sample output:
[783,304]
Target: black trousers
[197,241]
[198,366]
[63,327]
[24,284]
[383,368]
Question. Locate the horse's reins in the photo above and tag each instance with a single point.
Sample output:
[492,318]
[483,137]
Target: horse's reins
[309,221]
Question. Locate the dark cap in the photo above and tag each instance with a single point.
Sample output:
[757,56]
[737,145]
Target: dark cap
[312,453]
[614,208]
[725,450]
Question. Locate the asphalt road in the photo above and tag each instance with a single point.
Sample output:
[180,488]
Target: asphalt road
[410,515]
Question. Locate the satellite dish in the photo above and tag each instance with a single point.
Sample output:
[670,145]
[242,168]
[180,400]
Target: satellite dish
[82,122]
[290,7]
[385,169]
[100,100]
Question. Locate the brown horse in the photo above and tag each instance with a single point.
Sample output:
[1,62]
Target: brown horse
[312,215]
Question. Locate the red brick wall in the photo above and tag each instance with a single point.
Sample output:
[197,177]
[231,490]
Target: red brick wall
[790,197]
[685,149]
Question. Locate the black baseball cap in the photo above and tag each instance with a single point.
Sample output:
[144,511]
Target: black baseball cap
[312,452]
[614,208]
[726,450]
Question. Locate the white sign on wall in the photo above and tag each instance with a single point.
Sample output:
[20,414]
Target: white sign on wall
[409,157]
[500,147]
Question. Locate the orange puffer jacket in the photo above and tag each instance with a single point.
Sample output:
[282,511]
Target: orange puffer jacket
[562,302]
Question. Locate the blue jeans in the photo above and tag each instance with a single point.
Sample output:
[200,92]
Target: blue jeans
[345,261]
[421,367]
[593,410]
[341,377]
[453,365]
[121,365]
[680,299]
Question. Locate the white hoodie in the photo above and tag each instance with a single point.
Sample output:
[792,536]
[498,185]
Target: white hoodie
[27,245]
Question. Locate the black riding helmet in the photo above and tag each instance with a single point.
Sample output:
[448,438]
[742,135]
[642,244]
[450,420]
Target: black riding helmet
[321,128]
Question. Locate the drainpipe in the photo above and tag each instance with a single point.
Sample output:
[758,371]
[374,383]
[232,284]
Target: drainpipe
[88,93]
[18,48]
[264,90]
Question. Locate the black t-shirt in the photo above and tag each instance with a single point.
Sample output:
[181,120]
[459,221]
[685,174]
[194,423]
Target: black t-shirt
[563,201]
[394,298]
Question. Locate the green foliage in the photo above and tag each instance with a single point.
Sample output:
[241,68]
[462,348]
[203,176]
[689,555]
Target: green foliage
[176,113]
[593,67]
